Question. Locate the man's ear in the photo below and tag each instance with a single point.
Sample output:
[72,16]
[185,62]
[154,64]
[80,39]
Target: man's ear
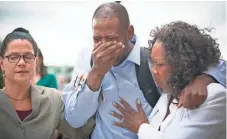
[130,32]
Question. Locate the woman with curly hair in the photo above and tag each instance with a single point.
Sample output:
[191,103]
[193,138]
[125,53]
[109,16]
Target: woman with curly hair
[179,52]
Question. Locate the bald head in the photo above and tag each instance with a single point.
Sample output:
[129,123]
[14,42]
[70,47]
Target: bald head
[111,9]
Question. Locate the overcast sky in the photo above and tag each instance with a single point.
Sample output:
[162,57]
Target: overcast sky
[62,28]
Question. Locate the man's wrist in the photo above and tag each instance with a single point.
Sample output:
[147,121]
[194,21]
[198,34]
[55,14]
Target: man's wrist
[208,79]
[94,80]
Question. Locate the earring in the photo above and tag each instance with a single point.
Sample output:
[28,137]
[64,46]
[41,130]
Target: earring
[3,74]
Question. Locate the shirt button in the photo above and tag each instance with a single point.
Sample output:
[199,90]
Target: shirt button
[20,127]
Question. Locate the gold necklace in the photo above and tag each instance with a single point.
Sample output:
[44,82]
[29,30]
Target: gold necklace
[16,98]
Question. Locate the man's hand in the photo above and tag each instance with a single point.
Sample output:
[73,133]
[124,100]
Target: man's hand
[195,93]
[104,56]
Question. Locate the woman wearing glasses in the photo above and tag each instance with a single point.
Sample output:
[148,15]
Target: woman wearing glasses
[28,111]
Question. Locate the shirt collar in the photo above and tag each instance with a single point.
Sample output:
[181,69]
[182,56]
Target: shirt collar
[134,55]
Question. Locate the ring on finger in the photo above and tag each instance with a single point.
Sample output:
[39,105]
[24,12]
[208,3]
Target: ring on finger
[122,120]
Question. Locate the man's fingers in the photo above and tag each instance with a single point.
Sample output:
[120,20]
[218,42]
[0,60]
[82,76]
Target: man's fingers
[192,99]
[203,94]
[187,100]
[114,55]
[112,49]
[106,45]
[181,100]
[180,104]
[200,98]
[195,100]
[197,103]
[106,56]
[97,45]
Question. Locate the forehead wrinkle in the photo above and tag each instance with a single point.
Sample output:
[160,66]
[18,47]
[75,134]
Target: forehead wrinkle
[108,20]
[156,58]
[109,31]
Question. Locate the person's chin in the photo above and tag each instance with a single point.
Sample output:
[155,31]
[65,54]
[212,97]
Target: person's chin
[22,79]
[160,87]
[164,89]
[117,62]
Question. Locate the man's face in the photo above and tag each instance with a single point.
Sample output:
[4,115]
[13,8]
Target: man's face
[108,29]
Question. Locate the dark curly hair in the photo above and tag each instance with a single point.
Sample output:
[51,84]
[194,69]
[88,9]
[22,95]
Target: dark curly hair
[189,52]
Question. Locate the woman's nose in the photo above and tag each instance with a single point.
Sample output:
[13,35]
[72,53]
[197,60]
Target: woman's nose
[21,61]
[154,70]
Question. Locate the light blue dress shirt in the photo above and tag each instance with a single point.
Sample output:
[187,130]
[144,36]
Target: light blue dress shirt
[120,81]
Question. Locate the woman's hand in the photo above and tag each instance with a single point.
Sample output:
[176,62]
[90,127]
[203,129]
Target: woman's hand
[130,118]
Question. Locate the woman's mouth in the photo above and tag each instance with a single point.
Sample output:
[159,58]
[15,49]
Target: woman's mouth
[156,82]
[22,72]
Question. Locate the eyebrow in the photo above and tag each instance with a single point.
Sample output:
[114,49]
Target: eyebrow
[108,35]
[156,58]
[114,33]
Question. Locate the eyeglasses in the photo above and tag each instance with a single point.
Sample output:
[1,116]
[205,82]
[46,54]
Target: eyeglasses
[29,58]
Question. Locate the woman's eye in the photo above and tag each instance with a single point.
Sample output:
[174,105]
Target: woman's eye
[14,57]
[160,65]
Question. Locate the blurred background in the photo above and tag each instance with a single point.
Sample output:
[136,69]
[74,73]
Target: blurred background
[61,29]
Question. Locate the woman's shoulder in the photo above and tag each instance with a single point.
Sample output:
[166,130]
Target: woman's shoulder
[47,91]
[216,94]
[215,90]
[50,96]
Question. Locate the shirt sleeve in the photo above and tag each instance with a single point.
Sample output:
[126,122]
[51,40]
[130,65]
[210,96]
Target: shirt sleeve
[77,133]
[80,102]
[202,123]
[218,72]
